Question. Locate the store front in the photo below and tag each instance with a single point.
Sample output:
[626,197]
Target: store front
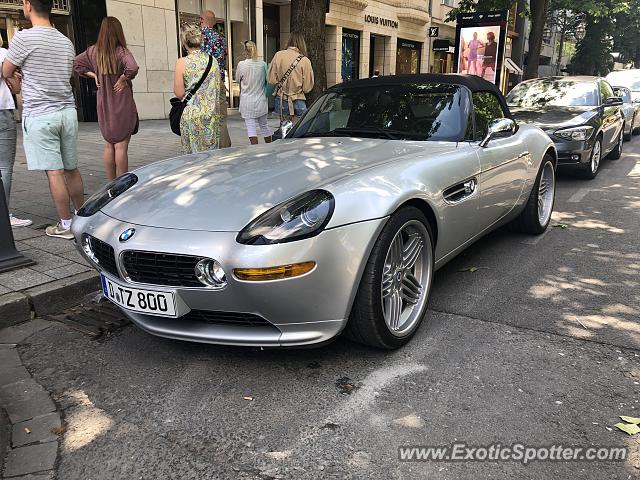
[236,22]
[408,57]
[350,55]
[443,54]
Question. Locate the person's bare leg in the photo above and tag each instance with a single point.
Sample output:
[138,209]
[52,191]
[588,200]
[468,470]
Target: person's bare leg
[75,187]
[253,140]
[109,159]
[59,193]
[122,157]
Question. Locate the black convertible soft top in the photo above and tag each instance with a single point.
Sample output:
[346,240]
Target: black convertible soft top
[472,82]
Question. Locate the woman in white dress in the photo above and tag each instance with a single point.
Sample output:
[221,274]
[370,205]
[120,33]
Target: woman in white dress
[252,75]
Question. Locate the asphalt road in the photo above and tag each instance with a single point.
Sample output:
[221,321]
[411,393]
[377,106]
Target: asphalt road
[539,346]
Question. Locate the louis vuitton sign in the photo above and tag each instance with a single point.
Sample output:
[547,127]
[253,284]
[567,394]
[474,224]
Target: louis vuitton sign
[383,22]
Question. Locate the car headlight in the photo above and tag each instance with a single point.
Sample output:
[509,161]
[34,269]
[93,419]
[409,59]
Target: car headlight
[107,193]
[577,133]
[301,217]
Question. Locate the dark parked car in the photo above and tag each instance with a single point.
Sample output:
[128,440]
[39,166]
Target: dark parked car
[581,114]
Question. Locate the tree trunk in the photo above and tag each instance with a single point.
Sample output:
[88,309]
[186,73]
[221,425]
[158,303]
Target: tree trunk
[538,16]
[308,18]
[560,52]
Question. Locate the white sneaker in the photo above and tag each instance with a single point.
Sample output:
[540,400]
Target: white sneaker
[58,231]
[19,222]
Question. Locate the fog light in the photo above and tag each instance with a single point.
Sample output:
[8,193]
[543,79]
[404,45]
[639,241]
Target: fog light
[575,157]
[274,273]
[210,273]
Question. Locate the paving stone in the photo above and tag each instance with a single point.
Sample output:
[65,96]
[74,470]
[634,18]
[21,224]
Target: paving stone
[23,278]
[9,358]
[4,290]
[39,404]
[20,391]
[13,374]
[31,459]
[46,261]
[68,270]
[74,256]
[50,244]
[35,476]
[14,308]
[18,333]
[22,233]
[39,430]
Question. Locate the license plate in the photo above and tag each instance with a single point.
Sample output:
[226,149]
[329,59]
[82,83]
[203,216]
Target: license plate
[139,300]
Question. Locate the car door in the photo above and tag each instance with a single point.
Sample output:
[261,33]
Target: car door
[612,118]
[503,162]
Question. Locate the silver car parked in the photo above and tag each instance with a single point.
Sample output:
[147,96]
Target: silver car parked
[630,110]
[338,227]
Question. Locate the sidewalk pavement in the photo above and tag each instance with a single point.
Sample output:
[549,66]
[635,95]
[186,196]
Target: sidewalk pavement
[61,278]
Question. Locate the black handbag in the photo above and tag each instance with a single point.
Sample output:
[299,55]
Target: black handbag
[178,104]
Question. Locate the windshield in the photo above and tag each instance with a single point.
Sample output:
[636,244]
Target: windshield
[412,111]
[554,93]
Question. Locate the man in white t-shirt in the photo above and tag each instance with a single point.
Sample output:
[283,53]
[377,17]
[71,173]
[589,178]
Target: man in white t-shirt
[8,136]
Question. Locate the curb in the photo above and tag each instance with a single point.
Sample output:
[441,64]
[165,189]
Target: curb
[31,448]
[52,297]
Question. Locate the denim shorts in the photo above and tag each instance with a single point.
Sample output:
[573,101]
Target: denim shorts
[50,140]
[299,107]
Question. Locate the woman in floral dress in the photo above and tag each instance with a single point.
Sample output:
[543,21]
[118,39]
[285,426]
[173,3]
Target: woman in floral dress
[201,121]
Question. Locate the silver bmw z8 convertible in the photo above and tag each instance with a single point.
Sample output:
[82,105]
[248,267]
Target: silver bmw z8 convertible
[336,228]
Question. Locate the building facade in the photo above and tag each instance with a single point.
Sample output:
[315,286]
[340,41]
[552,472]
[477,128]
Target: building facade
[364,38]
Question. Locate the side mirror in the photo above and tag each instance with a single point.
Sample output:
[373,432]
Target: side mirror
[500,128]
[613,102]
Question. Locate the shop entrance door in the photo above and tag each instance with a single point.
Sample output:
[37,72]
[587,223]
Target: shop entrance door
[378,55]
[408,57]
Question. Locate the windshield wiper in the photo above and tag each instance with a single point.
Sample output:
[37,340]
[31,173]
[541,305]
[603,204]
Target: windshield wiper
[348,132]
[367,130]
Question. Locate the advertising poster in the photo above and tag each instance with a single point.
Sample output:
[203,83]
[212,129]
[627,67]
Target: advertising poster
[480,41]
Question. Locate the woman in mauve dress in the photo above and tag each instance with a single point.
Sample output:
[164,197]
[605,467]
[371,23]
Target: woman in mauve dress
[112,66]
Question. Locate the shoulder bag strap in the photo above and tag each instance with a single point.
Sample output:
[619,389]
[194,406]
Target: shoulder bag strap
[286,75]
[195,88]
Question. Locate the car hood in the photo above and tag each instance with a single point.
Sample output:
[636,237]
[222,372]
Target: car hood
[554,117]
[223,190]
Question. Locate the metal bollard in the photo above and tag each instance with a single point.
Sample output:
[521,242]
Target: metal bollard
[10,258]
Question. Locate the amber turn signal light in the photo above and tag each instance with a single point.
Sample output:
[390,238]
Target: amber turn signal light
[273,273]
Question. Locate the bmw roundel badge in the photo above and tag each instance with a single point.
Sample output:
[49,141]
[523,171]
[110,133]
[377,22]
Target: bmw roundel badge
[127,234]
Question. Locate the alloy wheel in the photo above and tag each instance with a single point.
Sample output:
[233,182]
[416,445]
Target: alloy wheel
[546,193]
[595,157]
[406,277]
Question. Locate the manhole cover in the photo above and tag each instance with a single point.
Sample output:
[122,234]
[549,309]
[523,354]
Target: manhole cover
[94,320]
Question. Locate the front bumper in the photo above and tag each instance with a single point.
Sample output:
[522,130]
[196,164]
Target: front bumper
[312,308]
[573,153]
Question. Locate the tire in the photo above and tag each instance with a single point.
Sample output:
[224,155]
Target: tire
[370,322]
[627,136]
[592,169]
[536,216]
[616,153]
